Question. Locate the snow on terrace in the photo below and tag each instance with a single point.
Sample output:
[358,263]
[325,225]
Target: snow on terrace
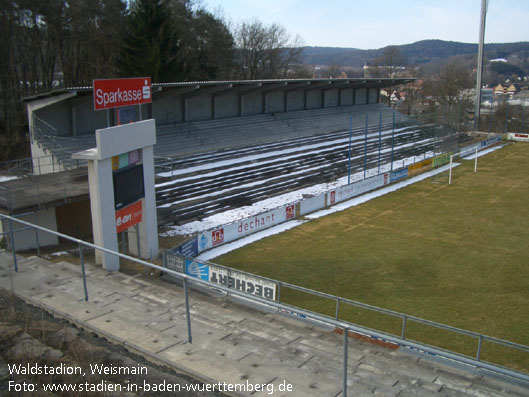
[257,157]
[233,215]
[245,159]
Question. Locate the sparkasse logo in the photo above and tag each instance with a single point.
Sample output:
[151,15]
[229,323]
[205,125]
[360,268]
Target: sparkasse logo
[114,93]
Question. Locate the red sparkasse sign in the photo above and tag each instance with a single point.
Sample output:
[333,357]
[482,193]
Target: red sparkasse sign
[128,216]
[115,93]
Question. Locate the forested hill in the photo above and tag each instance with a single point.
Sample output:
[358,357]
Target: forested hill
[421,52]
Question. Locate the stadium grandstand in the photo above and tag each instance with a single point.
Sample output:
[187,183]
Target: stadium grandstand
[208,137]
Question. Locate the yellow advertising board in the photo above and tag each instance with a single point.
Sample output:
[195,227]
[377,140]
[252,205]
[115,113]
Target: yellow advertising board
[417,168]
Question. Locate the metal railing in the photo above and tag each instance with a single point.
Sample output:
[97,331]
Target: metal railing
[34,190]
[401,339]
[303,313]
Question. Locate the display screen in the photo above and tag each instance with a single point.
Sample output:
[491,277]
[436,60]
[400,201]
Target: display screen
[128,185]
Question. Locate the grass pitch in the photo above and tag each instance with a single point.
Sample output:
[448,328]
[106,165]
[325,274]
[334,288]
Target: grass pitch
[456,254]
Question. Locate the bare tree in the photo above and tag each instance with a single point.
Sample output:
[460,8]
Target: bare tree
[387,64]
[449,83]
[265,51]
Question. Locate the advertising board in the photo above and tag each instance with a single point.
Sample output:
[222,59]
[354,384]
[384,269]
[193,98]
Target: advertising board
[442,159]
[417,168]
[312,204]
[189,248]
[116,93]
[399,174]
[233,279]
[491,141]
[363,186]
[515,136]
[175,262]
[128,216]
[244,227]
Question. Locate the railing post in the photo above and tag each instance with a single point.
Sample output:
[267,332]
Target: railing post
[476,161]
[403,333]
[188,314]
[278,292]
[478,355]
[450,172]
[345,356]
[36,234]
[13,250]
[83,270]
[337,308]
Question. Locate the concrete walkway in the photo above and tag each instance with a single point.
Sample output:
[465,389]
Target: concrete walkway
[233,343]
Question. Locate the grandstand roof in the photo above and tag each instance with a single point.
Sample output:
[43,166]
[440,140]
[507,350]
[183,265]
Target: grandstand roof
[249,84]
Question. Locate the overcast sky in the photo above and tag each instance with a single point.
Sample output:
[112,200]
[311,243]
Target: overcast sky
[370,24]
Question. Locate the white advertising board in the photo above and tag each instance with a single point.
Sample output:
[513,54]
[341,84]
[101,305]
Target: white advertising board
[354,189]
[245,227]
[231,278]
[516,136]
[312,204]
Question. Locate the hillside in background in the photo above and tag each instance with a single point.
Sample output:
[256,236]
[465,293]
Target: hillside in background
[419,53]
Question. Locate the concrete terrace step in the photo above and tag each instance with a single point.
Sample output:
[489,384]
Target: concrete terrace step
[232,343]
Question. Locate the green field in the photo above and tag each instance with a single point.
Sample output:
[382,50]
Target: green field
[456,254]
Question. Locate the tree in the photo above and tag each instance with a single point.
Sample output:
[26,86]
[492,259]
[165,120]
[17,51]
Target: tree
[28,61]
[88,33]
[212,45]
[448,85]
[265,52]
[387,64]
[150,46]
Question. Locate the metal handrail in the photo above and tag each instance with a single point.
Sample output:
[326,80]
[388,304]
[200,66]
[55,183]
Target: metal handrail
[346,326]
[370,307]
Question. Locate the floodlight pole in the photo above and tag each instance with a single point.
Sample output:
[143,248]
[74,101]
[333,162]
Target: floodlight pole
[365,149]
[480,63]
[350,139]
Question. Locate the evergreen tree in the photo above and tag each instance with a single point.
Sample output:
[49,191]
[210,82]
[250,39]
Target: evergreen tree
[213,47]
[150,46]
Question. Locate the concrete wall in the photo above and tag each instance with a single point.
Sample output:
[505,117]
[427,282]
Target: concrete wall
[167,109]
[361,96]
[199,108]
[295,100]
[226,106]
[275,102]
[373,95]
[26,240]
[84,119]
[330,98]
[314,99]
[252,104]
[58,115]
[346,97]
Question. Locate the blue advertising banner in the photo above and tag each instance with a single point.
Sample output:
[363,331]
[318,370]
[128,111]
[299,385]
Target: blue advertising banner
[189,248]
[399,174]
[198,270]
